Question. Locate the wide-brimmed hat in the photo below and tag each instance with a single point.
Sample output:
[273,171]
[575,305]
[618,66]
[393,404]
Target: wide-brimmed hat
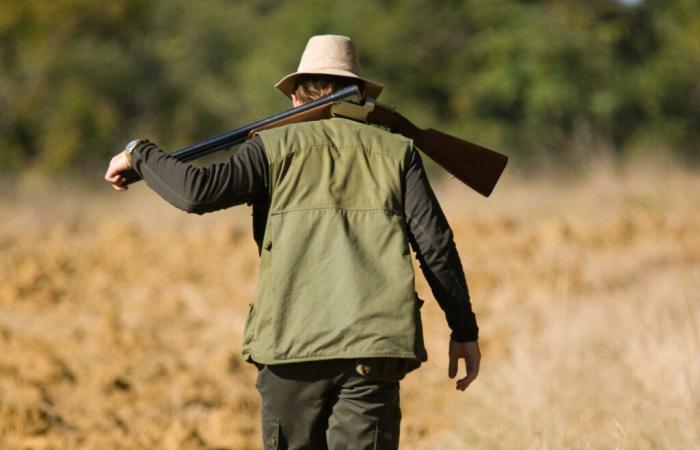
[328,55]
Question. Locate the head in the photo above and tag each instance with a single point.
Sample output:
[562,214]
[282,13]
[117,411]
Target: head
[329,63]
[312,87]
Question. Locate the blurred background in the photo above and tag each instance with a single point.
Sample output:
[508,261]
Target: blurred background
[544,81]
[120,316]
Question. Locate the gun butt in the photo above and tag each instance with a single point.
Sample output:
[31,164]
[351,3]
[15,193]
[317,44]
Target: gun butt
[474,165]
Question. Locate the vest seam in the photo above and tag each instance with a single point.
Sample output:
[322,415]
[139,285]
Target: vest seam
[318,208]
[269,359]
[293,151]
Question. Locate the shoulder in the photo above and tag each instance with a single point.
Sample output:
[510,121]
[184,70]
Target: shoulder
[286,139]
[252,151]
[329,128]
[336,132]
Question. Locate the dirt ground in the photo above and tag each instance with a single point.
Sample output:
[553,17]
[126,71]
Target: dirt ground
[121,319]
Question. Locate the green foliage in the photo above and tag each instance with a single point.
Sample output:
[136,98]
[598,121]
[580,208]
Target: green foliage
[535,79]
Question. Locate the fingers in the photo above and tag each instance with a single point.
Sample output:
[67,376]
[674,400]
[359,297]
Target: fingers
[119,184]
[452,369]
[113,175]
[114,178]
[463,383]
[471,354]
[110,174]
[112,171]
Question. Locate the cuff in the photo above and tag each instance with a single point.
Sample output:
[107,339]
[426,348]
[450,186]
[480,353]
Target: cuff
[465,336]
[136,158]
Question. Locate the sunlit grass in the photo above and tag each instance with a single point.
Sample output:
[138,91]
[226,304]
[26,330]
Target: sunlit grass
[120,320]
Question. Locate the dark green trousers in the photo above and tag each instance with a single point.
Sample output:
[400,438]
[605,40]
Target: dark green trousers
[327,405]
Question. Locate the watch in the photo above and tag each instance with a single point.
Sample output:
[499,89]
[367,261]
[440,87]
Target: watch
[129,149]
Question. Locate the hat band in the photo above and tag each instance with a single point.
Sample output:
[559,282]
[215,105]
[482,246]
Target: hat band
[329,64]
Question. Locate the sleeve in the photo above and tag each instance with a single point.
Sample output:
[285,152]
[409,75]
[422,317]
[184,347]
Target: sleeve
[432,240]
[241,179]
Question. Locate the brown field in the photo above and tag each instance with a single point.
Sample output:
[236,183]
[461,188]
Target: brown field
[121,320]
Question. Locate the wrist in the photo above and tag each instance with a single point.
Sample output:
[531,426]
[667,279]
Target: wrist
[129,150]
[127,156]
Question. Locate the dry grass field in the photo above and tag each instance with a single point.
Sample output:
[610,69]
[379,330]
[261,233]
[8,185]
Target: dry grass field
[121,320]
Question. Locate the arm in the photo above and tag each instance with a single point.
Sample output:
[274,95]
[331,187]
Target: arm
[432,240]
[243,178]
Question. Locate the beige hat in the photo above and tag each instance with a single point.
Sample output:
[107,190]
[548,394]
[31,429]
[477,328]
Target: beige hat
[328,55]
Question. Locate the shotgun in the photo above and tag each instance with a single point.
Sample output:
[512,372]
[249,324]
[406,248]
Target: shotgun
[474,165]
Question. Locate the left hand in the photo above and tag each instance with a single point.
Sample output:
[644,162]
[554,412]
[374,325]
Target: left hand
[117,165]
[469,351]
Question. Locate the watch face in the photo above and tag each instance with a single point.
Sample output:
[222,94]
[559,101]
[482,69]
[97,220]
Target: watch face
[130,146]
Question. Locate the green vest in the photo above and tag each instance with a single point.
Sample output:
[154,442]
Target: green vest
[336,279]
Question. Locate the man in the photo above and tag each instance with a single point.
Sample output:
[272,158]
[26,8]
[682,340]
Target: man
[335,323]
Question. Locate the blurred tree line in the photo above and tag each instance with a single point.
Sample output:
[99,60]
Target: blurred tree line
[537,79]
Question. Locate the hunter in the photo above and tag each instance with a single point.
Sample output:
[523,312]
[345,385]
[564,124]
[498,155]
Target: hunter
[335,322]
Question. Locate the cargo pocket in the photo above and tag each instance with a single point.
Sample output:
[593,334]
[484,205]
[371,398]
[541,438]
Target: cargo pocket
[386,436]
[270,431]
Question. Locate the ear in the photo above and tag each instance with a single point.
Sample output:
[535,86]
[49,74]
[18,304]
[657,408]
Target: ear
[295,101]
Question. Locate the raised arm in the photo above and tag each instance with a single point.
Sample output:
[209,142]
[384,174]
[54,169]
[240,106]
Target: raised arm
[242,178]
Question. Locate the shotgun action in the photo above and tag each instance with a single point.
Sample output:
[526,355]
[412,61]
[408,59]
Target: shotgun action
[474,165]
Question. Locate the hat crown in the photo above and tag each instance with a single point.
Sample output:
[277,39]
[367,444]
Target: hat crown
[330,52]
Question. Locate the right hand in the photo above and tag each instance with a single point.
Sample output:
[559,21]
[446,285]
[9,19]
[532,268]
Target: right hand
[113,176]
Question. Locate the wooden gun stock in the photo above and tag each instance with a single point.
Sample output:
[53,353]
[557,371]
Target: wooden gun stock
[474,165]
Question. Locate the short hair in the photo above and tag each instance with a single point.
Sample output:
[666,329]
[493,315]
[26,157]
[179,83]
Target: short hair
[312,87]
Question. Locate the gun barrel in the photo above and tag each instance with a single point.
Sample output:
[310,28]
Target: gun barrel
[237,136]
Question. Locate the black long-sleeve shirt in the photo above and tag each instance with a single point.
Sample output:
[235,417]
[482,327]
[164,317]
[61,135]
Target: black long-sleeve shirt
[244,178]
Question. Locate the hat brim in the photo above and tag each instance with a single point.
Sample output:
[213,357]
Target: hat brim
[287,84]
